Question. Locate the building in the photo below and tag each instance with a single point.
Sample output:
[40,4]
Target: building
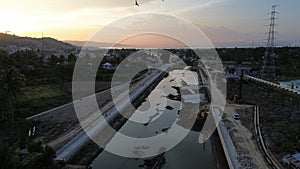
[108,66]
[108,56]
[295,84]
[292,161]
[246,70]
[232,76]
[230,69]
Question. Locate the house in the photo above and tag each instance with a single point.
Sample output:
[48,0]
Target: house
[108,56]
[295,84]
[255,72]
[292,161]
[232,76]
[108,66]
[285,84]
[230,69]
[226,63]
[246,70]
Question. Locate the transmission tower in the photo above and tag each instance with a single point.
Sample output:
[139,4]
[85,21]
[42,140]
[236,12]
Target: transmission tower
[269,66]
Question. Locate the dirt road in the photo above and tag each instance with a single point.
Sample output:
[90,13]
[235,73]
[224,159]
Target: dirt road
[249,156]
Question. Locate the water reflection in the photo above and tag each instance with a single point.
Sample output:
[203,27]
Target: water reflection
[157,115]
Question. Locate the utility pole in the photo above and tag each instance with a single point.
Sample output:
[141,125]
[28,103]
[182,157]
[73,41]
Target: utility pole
[269,66]
[42,41]
[241,87]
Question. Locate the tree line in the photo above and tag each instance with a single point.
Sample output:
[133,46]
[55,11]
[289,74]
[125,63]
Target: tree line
[287,58]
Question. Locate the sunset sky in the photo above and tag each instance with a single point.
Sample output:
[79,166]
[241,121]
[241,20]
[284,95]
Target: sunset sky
[221,20]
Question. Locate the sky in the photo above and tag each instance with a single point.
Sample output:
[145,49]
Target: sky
[220,20]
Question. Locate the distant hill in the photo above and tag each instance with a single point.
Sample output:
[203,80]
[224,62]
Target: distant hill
[247,44]
[95,44]
[9,41]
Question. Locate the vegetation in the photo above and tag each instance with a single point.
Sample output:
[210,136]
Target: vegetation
[47,85]
[279,115]
[20,98]
[37,157]
[10,82]
[287,61]
[48,78]
[31,83]
[9,156]
[7,40]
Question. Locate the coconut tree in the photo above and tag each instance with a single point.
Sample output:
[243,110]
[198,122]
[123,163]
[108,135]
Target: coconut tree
[8,156]
[10,82]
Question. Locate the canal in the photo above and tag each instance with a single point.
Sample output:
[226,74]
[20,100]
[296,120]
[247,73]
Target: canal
[156,115]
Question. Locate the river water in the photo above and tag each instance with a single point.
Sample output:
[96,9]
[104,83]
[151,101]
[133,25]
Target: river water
[151,118]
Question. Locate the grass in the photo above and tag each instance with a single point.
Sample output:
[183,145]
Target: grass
[40,92]
[279,116]
[38,98]
[21,129]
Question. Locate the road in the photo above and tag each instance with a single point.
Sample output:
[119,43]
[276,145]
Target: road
[96,124]
[248,153]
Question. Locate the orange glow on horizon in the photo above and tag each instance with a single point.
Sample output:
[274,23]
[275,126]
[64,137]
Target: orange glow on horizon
[150,41]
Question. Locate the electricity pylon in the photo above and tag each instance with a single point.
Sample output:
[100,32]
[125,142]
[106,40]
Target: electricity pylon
[269,66]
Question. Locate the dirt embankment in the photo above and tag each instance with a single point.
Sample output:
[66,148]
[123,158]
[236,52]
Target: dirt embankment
[248,154]
[279,116]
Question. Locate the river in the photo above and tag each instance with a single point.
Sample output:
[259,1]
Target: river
[153,116]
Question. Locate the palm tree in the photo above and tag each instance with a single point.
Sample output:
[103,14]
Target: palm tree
[10,81]
[8,156]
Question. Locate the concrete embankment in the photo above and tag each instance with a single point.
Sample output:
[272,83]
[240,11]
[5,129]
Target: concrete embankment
[66,154]
[218,152]
[224,157]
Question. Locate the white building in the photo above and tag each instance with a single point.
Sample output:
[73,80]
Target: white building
[291,85]
[293,161]
[108,66]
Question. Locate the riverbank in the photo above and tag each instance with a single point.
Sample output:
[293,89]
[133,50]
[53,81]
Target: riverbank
[92,150]
[87,155]
[218,152]
[189,150]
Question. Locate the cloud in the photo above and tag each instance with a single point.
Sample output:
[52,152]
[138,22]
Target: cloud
[222,34]
[199,6]
[49,7]
[196,6]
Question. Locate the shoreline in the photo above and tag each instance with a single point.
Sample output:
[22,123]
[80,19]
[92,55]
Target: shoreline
[86,157]
[218,152]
